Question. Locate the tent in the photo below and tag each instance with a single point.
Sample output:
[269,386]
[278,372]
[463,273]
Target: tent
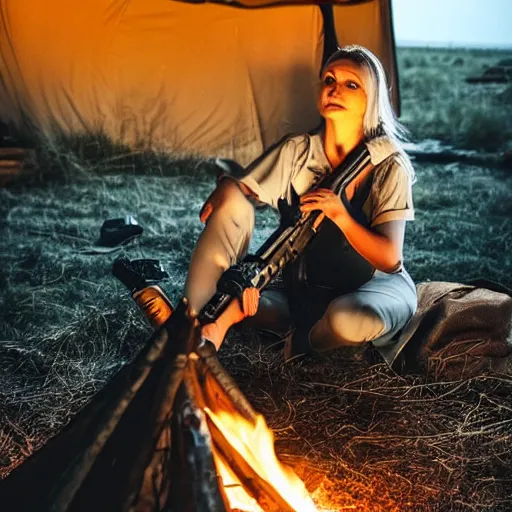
[215,79]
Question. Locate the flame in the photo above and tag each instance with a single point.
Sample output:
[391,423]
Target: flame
[234,489]
[253,479]
[255,442]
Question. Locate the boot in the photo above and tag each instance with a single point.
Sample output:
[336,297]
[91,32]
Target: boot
[154,304]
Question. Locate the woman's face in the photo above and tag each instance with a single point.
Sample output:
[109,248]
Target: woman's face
[342,94]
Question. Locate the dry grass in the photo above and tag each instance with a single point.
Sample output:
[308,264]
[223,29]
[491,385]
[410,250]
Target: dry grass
[366,439]
[383,442]
[68,326]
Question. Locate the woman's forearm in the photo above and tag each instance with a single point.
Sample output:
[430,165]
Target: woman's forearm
[376,248]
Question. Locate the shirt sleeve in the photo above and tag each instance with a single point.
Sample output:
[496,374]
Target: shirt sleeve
[391,193]
[269,175]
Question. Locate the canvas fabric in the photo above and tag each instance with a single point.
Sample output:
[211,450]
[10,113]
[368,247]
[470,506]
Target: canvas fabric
[200,79]
[458,331]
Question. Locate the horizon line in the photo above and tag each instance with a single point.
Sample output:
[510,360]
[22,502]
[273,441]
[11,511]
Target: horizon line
[453,44]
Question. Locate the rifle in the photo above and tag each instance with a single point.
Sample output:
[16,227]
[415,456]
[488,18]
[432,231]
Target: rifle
[286,243]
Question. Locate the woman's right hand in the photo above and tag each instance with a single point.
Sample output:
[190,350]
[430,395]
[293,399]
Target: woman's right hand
[237,310]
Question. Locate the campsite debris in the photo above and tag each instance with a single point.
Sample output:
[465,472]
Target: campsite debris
[500,74]
[436,151]
[119,231]
[140,277]
[13,163]
[147,271]
[114,234]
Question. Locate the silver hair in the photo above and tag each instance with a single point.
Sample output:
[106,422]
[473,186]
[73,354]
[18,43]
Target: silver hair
[379,118]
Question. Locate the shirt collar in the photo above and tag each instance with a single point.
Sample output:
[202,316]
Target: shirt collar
[380,148]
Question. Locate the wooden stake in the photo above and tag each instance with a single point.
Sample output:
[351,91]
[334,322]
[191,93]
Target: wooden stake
[220,383]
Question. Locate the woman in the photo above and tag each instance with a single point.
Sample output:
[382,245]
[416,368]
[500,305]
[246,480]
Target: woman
[350,286]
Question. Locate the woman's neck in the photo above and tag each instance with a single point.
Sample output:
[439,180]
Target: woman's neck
[340,140]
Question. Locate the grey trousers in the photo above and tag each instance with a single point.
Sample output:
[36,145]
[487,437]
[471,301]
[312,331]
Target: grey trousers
[375,312]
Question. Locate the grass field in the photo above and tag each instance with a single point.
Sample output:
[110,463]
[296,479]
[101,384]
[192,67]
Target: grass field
[438,102]
[369,439]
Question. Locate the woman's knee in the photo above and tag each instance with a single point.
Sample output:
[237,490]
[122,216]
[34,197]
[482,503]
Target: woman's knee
[229,195]
[353,322]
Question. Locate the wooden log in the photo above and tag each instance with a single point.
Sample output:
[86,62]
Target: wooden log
[12,153]
[57,470]
[262,491]
[98,461]
[91,465]
[150,492]
[147,485]
[11,164]
[144,443]
[10,168]
[258,488]
[222,384]
[9,174]
[195,485]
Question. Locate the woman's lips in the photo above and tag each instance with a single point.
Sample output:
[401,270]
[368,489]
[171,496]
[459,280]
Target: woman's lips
[336,105]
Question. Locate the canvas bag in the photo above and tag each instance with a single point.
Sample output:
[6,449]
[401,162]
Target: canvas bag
[458,331]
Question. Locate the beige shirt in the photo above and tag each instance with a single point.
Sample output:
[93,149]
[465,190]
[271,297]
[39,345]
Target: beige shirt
[300,160]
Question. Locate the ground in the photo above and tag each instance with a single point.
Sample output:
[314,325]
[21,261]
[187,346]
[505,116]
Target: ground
[369,439]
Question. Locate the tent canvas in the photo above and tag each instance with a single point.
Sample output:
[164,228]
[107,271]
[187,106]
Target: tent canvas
[210,79]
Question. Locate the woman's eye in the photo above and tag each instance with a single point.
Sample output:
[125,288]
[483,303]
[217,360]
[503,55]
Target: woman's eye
[352,85]
[329,80]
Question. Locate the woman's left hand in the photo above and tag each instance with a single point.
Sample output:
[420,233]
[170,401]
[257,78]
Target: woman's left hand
[324,200]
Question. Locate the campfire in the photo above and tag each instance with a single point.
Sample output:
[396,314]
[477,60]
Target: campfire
[171,432]
[213,420]
[220,450]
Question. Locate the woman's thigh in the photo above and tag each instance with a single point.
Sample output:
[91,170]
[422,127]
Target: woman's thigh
[375,312]
[392,297]
[224,240]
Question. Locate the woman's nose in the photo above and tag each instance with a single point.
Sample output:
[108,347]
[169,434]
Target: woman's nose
[335,90]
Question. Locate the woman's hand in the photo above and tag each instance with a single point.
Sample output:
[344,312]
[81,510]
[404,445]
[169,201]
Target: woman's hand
[381,245]
[237,310]
[326,201]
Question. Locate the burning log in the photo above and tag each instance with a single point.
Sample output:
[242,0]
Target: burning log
[170,432]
